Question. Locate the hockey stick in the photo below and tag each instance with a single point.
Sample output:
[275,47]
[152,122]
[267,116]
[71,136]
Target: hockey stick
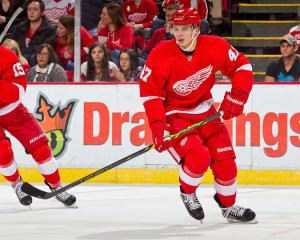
[35,192]
[13,17]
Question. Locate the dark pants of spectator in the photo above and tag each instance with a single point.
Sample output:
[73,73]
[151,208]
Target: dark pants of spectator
[145,32]
[204,28]
[67,66]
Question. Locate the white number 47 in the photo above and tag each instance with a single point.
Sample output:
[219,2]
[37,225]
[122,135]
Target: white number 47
[18,69]
[145,73]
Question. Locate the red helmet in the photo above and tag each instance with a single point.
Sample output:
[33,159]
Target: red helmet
[186,16]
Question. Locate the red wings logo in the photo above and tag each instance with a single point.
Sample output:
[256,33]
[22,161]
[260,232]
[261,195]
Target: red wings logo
[185,87]
[137,17]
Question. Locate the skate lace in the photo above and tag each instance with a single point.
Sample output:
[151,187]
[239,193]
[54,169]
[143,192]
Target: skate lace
[235,210]
[192,201]
[63,195]
[18,190]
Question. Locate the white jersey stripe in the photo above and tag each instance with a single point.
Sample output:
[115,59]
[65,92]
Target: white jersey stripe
[145,99]
[49,167]
[225,190]
[246,67]
[188,179]
[201,108]
[10,170]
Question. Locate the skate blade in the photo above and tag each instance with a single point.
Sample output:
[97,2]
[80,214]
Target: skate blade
[74,205]
[201,221]
[254,221]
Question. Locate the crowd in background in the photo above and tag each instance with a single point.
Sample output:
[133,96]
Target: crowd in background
[116,36]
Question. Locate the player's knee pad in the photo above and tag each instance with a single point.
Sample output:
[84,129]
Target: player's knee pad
[197,160]
[42,153]
[224,170]
[6,154]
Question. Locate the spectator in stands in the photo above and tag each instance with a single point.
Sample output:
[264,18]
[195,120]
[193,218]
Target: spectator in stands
[130,70]
[140,15]
[46,68]
[65,42]
[97,68]
[204,7]
[54,10]
[161,34]
[115,33]
[295,31]
[14,46]
[287,68]
[7,8]
[93,8]
[31,33]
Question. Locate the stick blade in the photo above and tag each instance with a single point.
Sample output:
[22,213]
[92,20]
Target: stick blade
[33,191]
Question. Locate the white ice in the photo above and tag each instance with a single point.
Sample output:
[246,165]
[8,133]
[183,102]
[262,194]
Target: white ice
[136,212]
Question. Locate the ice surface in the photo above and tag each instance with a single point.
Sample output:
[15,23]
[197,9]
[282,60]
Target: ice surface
[136,212]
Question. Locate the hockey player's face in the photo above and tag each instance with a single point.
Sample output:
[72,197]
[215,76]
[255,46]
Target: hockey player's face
[97,54]
[183,34]
[34,11]
[105,18]
[125,61]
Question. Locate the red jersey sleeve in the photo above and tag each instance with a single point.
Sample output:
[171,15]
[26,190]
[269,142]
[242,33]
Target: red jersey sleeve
[234,65]
[12,78]
[152,87]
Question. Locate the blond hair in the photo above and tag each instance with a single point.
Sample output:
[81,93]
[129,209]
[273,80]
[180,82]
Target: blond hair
[14,46]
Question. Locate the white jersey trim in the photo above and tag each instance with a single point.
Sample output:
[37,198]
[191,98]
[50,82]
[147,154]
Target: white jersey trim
[9,108]
[174,154]
[188,179]
[49,167]
[225,190]
[201,108]
[246,67]
[10,170]
[145,99]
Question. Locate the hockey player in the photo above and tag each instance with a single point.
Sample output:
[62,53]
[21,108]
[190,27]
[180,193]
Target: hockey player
[175,88]
[21,124]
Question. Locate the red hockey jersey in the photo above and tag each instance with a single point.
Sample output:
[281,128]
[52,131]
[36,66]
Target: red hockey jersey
[144,14]
[295,31]
[55,9]
[12,81]
[183,83]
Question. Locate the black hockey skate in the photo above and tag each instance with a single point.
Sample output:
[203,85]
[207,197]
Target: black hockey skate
[192,205]
[67,199]
[24,198]
[236,214]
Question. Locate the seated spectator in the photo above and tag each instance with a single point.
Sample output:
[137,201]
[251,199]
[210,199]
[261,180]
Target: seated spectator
[65,42]
[54,10]
[204,7]
[46,68]
[97,68]
[140,15]
[161,34]
[34,31]
[7,8]
[130,70]
[115,33]
[295,31]
[14,46]
[287,68]
[90,13]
